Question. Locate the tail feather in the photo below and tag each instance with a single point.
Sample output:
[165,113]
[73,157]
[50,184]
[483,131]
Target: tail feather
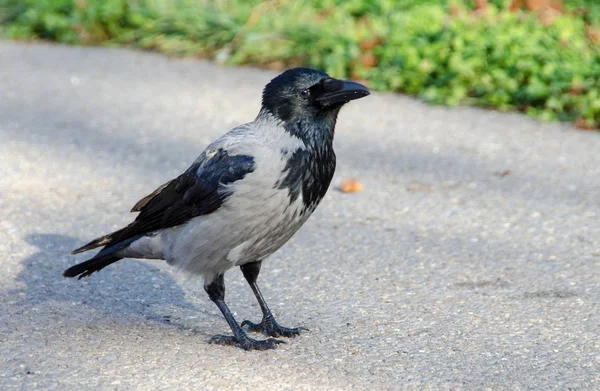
[106,240]
[104,257]
[98,242]
[95,264]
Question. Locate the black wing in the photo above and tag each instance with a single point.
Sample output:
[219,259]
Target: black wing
[196,192]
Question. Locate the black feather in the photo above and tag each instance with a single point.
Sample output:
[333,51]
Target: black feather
[309,171]
[86,268]
[193,193]
[279,95]
[196,192]
[294,172]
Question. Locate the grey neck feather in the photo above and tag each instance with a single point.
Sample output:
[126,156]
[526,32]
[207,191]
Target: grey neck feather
[316,132]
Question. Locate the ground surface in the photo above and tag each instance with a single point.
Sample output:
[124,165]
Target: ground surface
[470,260]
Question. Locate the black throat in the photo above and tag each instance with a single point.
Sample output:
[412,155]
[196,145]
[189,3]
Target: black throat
[308,172]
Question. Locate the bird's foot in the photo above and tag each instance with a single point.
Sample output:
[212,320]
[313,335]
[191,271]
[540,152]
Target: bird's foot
[270,327]
[245,342]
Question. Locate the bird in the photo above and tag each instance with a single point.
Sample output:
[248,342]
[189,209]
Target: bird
[244,197]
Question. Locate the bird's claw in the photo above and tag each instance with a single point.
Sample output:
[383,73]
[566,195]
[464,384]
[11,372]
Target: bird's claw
[271,328]
[245,342]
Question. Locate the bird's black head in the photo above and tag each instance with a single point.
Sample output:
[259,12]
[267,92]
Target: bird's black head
[304,94]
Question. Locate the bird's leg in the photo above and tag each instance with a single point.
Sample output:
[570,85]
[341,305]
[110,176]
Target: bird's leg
[216,292]
[268,325]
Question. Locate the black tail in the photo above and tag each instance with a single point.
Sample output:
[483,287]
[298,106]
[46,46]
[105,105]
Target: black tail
[105,257]
[95,264]
[102,241]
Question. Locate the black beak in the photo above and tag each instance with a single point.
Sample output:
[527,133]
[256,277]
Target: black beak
[341,91]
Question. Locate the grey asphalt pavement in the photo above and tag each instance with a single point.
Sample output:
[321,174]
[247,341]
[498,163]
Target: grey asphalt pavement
[471,259]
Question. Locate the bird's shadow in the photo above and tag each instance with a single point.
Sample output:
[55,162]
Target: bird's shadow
[132,287]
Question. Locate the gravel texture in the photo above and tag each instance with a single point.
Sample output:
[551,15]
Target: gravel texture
[471,259]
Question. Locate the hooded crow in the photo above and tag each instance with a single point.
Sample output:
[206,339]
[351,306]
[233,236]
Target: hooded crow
[243,197]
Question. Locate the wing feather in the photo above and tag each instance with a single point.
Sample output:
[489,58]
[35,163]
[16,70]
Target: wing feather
[196,192]
[144,201]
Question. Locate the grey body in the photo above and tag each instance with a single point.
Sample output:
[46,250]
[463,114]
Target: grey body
[242,199]
[253,222]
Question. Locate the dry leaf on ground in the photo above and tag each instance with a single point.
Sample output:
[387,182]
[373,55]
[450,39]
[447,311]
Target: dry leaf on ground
[350,185]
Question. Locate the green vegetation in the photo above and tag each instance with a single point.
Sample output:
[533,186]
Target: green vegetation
[445,52]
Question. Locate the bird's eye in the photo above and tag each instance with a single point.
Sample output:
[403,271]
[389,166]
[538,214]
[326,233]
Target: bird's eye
[304,93]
